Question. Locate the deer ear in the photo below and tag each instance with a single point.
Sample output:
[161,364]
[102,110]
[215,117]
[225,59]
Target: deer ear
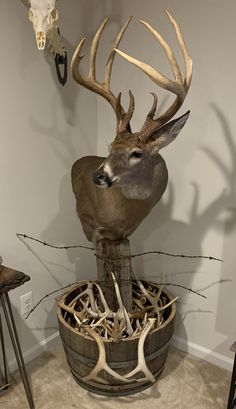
[168,132]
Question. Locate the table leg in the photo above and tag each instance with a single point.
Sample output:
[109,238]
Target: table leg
[16,346]
[232,399]
[6,380]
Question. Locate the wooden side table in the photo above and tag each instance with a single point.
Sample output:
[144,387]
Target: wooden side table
[10,279]
[232,390]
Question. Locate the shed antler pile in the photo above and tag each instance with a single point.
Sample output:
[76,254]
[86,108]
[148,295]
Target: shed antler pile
[89,313]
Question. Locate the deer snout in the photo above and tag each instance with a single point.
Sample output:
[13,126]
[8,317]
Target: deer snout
[41,40]
[101,178]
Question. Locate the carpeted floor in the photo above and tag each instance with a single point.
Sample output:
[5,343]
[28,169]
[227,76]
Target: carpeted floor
[186,383]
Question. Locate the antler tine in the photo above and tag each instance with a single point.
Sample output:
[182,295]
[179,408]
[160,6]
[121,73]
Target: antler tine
[179,86]
[155,75]
[94,48]
[122,116]
[152,111]
[168,50]
[187,59]
[101,362]
[112,55]
[91,82]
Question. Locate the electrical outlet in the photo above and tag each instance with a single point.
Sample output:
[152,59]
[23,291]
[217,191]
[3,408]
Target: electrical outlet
[26,302]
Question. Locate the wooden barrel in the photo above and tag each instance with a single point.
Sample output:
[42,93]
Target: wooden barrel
[82,353]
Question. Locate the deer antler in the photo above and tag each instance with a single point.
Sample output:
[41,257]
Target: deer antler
[122,312]
[101,364]
[103,89]
[142,366]
[89,292]
[179,86]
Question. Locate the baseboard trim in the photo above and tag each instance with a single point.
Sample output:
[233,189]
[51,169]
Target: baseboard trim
[203,353]
[191,348]
[45,345]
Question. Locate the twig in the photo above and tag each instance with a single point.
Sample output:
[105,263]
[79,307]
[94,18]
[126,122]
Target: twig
[25,236]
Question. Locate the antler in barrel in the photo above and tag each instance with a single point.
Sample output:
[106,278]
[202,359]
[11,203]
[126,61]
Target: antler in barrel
[179,86]
[103,89]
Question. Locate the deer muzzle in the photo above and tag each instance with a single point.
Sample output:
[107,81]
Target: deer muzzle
[41,39]
[102,179]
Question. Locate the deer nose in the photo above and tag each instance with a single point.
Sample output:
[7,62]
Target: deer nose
[41,40]
[101,178]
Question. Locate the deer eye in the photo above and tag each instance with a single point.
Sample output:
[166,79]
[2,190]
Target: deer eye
[136,154]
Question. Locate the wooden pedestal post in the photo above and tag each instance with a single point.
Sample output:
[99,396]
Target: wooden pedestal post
[114,256]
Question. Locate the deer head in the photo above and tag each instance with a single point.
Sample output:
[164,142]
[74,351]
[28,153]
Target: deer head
[133,156]
[134,175]
[43,15]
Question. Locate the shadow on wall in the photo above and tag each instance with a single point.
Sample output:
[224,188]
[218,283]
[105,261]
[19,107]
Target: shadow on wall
[84,25]
[24,332]
[65,227]
[75,21]
[225,317]
[187,238]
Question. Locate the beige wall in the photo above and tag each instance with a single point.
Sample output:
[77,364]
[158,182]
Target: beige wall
[45,127]
[197,214]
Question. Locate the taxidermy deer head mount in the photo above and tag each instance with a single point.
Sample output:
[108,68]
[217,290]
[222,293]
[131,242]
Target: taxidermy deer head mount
[134,175]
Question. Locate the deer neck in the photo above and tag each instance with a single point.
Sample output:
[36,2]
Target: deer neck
[136,192]
[152,179]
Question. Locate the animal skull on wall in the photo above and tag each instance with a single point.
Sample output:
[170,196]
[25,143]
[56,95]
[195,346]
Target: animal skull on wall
[44,16]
